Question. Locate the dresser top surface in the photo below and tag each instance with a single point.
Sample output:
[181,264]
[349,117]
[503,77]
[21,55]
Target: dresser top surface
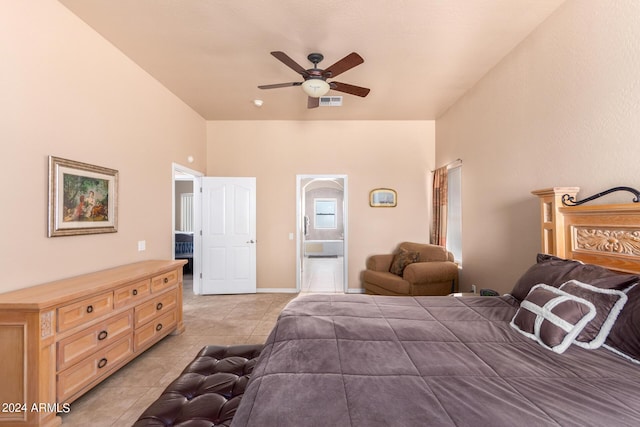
[60,291]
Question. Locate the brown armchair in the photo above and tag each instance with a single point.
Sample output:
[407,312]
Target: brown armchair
[431,271]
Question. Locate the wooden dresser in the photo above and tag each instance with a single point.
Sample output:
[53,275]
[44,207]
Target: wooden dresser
[60,339]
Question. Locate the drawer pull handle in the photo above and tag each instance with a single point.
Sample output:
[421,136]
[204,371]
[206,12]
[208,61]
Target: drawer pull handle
[159,306]
[159,327]
[102,363]
[135,292]
[89,309]
[166,280]
[102,335]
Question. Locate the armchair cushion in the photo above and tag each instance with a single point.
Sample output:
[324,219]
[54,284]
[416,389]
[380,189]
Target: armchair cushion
[385,283]
[430,272]
[402,260]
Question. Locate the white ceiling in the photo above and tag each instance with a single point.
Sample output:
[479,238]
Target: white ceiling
[420,55]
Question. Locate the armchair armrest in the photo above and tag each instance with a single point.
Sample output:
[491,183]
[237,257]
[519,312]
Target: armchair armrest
[430,272]
[379,262]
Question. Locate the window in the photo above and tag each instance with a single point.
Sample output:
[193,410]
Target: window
[186,212]
[325,213]
[454,212]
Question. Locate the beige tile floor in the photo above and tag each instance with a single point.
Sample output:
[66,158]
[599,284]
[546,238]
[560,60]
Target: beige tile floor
[209,319]
[323,275]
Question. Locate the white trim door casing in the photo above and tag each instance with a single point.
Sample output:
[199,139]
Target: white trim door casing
[300,227]
[181,172]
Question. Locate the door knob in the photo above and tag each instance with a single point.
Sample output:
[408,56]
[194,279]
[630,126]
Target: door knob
[250,241]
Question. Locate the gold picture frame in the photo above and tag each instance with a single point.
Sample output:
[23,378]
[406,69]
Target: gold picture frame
[383,198]
[83,198]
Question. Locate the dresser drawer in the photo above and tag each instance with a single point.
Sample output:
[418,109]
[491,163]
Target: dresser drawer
[84,311]
[131,294]
[158,306]
[74,379]
[164,281]
[78,346]
[155,330]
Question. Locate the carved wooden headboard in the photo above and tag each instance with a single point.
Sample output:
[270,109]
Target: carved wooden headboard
[606,235]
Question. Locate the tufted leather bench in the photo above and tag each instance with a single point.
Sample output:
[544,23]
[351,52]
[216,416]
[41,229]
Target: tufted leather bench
[207,392]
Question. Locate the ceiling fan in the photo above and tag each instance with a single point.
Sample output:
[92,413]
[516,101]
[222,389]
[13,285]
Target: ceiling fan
[315,79]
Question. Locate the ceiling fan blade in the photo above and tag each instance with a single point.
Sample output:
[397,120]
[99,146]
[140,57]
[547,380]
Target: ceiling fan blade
[350,89]
[313,102]
[346,63]
[277,85]
[286,60]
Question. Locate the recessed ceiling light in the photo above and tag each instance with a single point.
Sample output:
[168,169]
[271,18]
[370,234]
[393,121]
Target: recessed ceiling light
[258,102]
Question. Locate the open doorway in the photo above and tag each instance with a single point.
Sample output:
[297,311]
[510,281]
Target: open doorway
[185,220]
[321,233]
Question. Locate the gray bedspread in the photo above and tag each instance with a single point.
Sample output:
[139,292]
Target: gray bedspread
[360,360]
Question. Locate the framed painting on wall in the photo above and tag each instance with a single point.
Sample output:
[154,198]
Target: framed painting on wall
[383,198]
[83,198]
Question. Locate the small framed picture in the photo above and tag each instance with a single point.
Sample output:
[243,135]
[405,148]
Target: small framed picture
[83,198]
[383,198]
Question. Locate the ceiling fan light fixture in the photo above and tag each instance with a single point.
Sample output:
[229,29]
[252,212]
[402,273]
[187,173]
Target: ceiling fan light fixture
[315,88]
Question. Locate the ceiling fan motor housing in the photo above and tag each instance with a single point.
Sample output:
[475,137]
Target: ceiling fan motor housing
[314,73]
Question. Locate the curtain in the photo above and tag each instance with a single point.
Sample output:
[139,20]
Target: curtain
[439,223]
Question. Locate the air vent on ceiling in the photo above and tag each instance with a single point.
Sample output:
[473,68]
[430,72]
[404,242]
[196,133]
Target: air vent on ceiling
[330,101]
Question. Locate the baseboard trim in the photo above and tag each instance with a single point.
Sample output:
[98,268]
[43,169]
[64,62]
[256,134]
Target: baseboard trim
[276,290]
[295,291]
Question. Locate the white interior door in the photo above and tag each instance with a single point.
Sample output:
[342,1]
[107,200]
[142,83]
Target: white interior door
[228,235]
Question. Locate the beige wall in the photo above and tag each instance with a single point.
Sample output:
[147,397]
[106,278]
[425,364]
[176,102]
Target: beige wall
[67,92]
[396,154]
[562,109]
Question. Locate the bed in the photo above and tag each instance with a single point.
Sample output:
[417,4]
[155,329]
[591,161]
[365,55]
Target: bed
[561,349]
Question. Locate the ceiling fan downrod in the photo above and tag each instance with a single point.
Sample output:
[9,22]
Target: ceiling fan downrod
[315,59]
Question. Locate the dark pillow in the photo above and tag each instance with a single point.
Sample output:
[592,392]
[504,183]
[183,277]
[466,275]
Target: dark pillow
[608,304]
[601,277]
[552,317]
[402,259]
[555,271]
[548,269]
[624,337]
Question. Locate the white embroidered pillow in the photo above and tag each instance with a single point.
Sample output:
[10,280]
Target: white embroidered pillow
[552,317]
